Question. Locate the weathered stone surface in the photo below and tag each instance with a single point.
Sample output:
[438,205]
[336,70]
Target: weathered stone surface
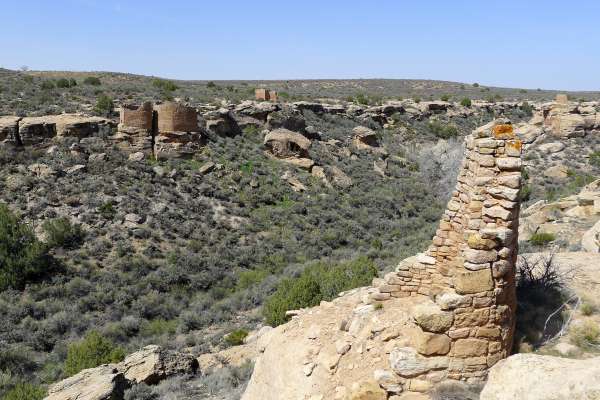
[430,344]
[470,348]
[101,383]
[431,318]
[153,364]
[367,390]
[535,377]
[473,282]
[406,362]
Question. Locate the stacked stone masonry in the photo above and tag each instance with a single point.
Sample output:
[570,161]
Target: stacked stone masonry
[170,130]
[265,95]
[469,269]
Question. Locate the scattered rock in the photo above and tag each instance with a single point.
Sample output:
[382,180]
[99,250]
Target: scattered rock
[535,377]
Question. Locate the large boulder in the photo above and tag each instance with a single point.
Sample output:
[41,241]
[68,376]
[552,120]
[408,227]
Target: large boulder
[108,382]
[101,383]
[535,377]
[153,364]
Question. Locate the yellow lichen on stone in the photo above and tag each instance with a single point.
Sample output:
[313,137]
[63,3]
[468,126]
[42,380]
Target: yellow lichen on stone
[503,131]
[515,144]
[477,242]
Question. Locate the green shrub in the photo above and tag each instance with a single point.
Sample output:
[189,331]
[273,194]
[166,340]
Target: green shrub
[104,105]
[236,337]
[47,85]
[526,108]
[466,102]
[542,238]
[61,233]
[64,83]
[90,352]
[92,80]
[362,99]
[586,336]
[588,309]
[211,85]
[25,391]
[107,210]
[476,84]
[445,97]
[22,256]
[594,159]
[158,327]
[321,281]
[165,85]
[443,131]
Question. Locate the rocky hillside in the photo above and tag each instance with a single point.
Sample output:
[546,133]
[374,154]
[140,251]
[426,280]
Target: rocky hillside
[182,252]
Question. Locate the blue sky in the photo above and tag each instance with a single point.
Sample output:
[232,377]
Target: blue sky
[547,44]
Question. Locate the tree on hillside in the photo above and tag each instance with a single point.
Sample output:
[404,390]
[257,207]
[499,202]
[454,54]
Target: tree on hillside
[22,256]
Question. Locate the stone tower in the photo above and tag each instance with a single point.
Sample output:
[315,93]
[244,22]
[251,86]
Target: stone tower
[469,269]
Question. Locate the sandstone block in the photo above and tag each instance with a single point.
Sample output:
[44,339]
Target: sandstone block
[470,348]
[480,256]
[473,282]
[431,318]
[407,363]
[430,344]
[508,163]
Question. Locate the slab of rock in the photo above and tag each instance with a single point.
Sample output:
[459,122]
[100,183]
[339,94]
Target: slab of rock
[535,377]
[101,383]
[153,364]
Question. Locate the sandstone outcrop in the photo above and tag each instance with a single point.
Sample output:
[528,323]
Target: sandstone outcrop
[101,383]
[443,315]
[153,364]
[536,377]
[150,365]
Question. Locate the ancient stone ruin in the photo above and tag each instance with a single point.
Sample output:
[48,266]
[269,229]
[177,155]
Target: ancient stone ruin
[265,95]
[447,314]
[288,146]
[178,131]
[135,128]
[170,130]
[570,119]
[469,269]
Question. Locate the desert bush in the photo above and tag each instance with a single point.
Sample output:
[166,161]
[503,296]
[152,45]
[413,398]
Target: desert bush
[445,97]
[466,102]
[321,281]
[443,131]
[586,335]
[542,238]
[141,392]
[25,391]
[47,85]
[22,257]
[90,352]
[165,85]
[236,337]
[540,293]
[60,232]
[104,105]
[588,308]
[92,80]
[594,159]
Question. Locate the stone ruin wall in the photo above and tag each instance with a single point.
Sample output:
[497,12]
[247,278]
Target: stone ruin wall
[469,269]
[265,95]
[169,130]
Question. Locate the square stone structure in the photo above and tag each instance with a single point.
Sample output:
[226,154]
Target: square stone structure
[265,95]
